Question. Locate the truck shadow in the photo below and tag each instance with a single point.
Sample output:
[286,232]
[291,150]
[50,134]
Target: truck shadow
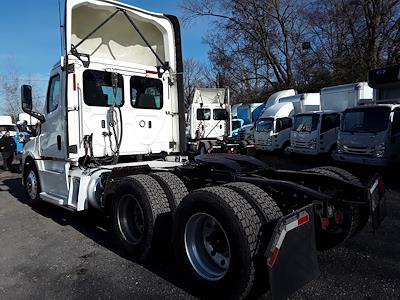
[95,226]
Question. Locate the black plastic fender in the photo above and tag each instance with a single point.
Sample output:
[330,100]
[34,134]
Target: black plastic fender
[291,253]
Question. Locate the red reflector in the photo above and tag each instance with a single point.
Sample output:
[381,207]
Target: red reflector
[151,72]
[381,186]
[272,258]
[325,223]
[304,219]
[74,81]
[338,217]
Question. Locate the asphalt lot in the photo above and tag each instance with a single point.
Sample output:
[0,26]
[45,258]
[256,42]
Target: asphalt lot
[51,253]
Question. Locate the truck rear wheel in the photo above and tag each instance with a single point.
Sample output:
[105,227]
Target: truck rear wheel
[173,187]
[269,213]
[137,206]
[215,236]
[349,214]
[31,183]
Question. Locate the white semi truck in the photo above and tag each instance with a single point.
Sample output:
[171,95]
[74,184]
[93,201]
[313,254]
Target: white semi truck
[315,133]
[112,137]
[209,120]
[274,126]
[370,134]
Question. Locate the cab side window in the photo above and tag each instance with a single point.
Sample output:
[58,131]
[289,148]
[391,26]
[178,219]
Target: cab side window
[54,93]
[329,122]
[283,124]
[396,122]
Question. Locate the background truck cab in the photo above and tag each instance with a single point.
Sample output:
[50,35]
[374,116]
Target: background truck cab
[316,133]
[274,126]
[370,134]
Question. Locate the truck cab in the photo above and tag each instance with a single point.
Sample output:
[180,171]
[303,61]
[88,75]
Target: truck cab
[316,133]
[116,93]
[281,116]
[370,134]
[273,127]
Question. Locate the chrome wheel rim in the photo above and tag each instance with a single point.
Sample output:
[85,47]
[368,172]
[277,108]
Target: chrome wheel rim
[32,185]
[207,246]
[130,219]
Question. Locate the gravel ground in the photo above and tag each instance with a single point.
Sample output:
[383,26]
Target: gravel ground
[51,253]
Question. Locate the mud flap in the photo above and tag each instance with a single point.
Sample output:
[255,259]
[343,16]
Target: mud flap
[291,254]
[377,202]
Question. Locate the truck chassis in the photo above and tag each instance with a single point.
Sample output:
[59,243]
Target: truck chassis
[232,219]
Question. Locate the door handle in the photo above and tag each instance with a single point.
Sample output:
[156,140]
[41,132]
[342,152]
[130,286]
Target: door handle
[59,142]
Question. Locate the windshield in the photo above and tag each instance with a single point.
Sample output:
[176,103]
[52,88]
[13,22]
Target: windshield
[373,119]
[306,123]
[265,125]
[8,128]
[236,124]
[220,114]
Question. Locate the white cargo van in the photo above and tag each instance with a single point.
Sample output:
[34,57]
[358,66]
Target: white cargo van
[370,134]
[316,132]
[274,126]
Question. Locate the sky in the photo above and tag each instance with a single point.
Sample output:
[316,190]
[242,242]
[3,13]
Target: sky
[30,36]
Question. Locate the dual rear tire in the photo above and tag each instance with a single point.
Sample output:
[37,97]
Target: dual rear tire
[216,234]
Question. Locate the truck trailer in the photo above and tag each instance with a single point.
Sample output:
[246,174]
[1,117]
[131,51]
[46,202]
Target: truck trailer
[112,138]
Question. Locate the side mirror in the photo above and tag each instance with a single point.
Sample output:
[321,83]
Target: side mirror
[26,101]
[26,98]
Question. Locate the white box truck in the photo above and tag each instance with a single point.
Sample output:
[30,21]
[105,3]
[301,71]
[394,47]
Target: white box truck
[370,134]
[274,126]
[314,133]
[112,136]
[246,132]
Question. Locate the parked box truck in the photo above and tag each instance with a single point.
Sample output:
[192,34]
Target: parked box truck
[274,126]
[370,134]
[316,132]
[246,133]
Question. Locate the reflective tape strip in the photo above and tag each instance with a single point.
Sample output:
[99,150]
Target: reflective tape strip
[303,219]
[374,186]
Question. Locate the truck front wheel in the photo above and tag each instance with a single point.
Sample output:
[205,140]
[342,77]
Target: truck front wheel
[215,237]
[31,183]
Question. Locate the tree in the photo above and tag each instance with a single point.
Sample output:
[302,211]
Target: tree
[193,77]
[10,87]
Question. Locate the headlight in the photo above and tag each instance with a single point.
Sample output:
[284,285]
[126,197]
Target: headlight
[340,148]
[380,150]
[313,144]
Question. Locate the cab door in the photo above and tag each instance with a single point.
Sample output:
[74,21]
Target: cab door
[52,134]
[329,130]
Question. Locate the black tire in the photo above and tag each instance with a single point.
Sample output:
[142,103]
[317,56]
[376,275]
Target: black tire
[265,207]
[269,213]
[327,239]
[137,207]
[173,187]
[285,149]
[240,227]
[30,174]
